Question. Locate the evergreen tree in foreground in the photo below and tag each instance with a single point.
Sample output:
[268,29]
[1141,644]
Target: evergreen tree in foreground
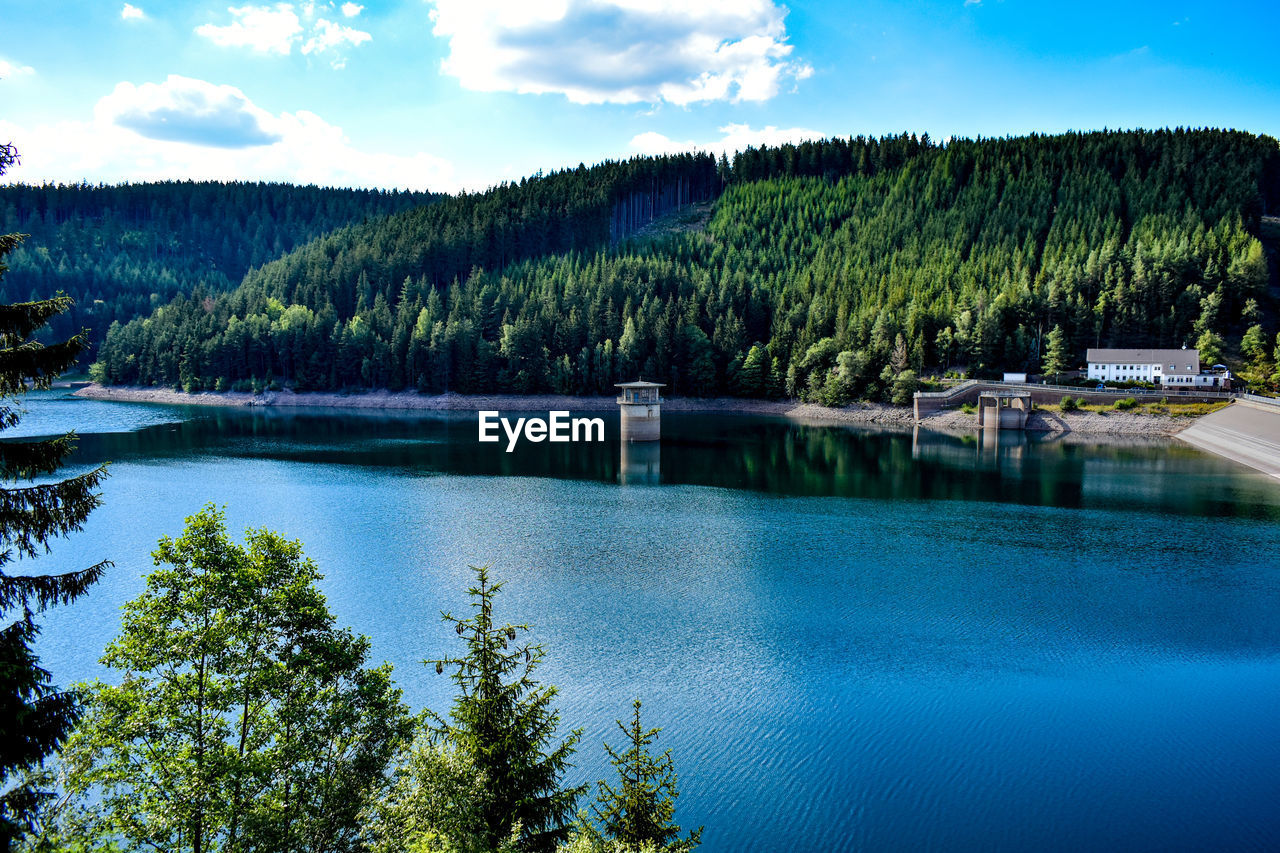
[638,813]
[1056,356]
[35,716]
[503,725]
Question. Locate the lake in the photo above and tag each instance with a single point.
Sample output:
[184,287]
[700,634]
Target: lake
[853,640]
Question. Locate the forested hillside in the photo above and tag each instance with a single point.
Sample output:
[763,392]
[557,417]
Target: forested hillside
[122,251]
[835,269]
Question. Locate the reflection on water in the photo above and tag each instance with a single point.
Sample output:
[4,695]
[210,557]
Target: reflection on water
[854,639]
[731,451]
[639,463]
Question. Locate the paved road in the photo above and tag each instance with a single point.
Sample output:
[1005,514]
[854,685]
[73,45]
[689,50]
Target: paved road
[1246,434]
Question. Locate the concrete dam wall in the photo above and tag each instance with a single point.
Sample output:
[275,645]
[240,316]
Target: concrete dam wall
[1248,433]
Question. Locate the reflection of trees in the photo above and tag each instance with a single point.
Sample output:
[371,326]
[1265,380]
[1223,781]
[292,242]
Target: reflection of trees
[833,461]
[731,451]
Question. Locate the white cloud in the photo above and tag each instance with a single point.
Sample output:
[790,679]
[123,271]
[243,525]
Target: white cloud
[132,13]
[736,137]
[619,51]
[10,69]
[277,29]
[305,149]
[182,109]
[262,29]
[327,36]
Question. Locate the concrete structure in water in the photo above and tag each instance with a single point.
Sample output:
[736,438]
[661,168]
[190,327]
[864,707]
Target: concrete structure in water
[641,410]
[640,463]
[1004,409]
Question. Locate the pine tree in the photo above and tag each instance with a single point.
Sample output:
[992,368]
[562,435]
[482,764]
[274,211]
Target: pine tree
[753,376]
[898,360]
[502,723]
[35,716]
[1056,355]
[639,811]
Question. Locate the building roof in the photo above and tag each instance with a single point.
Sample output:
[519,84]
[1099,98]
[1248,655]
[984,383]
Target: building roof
[640,384]
[1179,358]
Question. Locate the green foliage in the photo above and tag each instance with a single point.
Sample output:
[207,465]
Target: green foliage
[243,719]
[1056,355]
[1126,404]
[122,251]
[905,385]
[754,377]
[35,716]
[894,253]
[503,725]
[586,841]
[1253,345]
[1071,404]
[1210,345]
[435,804]
[639,812]
[1259,368]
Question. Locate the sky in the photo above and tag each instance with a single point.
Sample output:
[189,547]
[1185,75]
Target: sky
[450,95]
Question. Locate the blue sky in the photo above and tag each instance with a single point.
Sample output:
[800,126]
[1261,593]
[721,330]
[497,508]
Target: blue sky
[462,94]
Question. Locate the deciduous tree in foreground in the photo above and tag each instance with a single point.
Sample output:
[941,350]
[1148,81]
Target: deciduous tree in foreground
[244,720]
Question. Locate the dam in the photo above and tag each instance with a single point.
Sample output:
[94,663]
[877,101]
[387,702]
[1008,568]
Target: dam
[1247,431]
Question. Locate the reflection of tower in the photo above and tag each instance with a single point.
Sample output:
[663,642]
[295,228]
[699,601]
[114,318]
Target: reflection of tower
[1003,448]
[640,463]
[641,411]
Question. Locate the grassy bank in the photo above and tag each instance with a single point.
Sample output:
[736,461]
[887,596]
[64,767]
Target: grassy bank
[1158,407]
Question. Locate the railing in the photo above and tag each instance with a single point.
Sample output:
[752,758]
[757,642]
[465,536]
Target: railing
[954,389]
[1268,401]
[1076,389]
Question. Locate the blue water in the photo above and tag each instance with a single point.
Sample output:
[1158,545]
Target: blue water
[853,640]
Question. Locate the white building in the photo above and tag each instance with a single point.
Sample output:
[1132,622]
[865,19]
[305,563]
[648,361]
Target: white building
[1171,368]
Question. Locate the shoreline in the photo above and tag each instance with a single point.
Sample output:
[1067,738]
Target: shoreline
[871,414]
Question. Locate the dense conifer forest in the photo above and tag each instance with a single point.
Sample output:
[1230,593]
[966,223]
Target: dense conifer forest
[833,270]
[122,251]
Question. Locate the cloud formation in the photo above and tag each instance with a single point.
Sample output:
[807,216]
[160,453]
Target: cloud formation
[277,29]
[736,137]
[182,109]
[10,69]
[297,147]
[262,29]
[619,51]
[328,36]
[132,13]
